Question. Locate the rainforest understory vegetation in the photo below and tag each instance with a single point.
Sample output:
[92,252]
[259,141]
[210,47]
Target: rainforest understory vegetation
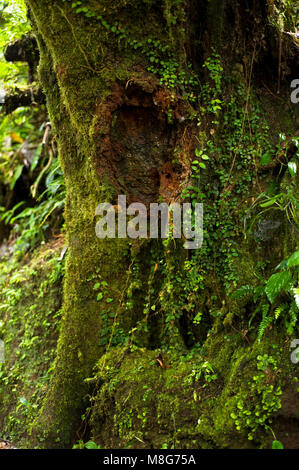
[139,343]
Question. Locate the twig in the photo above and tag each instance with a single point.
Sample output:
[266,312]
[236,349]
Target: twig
[46,133]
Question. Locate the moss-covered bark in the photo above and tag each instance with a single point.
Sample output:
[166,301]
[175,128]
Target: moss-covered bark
[101,80]
[76,82]
[186,405]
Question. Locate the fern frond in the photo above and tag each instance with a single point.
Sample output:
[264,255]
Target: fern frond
[242,292]
[278,282]
[296,296]
[258,292]
[266,321]
[279,310]
[290,324]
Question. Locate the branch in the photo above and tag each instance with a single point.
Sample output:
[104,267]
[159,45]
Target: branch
[17,98]
[23,50]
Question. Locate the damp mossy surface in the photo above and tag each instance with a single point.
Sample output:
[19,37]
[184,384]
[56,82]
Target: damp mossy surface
[151,342]
[31,300]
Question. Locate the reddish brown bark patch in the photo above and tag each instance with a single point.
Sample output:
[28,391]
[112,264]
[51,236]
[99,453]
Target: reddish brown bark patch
[135,144]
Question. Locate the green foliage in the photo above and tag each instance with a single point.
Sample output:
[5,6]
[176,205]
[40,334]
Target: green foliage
[17,134]
[203,371]
[14,23]
[210,95]
[163,60]
[256,405]
[32,223]
[244,141]
[86,445]
[277,445]
[242,292]
[277,283]
[284,14]
[285,201]
[177,286]
[282,284]
[111,332]
[22,156]
[30,302]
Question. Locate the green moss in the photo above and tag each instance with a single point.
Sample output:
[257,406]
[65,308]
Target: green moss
[77,72]
[140,404]
[31,297]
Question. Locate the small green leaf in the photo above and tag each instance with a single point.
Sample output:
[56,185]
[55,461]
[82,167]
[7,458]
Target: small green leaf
[266,159]
[24,401]
[242,291]
[292,166]
[293,260]
[277,445]
[276,284]
[91,445]
[36,156]
[16,176]
[271,201]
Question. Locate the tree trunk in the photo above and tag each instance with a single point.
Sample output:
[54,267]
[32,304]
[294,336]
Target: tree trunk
[123,94]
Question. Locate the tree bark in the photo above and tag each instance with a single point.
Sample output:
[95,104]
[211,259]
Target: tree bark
[120,131]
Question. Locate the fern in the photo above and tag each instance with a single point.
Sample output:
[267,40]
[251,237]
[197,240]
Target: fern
[277,283]
[278,311]
[290,324]
[257,310]
[296,296]
[258,292]
[290,262]
[266,321]
[242,292]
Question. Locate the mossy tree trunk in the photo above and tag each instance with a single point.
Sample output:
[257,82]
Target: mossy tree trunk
[120,132]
